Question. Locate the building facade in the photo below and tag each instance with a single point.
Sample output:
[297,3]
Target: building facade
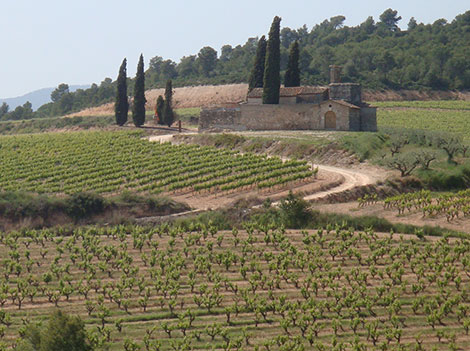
[338,106]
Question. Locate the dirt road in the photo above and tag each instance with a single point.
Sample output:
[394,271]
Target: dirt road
[353,177]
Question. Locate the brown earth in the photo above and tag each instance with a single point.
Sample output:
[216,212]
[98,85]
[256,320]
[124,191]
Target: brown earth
[210,95]
[324,181]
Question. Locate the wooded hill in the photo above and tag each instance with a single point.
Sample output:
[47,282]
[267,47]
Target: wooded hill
[377,54]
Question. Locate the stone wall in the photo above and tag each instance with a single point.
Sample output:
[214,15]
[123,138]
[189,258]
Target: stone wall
[288,100]
[288,117]
[220,118]
[355,120]
[255,101]
[277,117]
[349,92]
[369,119]
[312,98]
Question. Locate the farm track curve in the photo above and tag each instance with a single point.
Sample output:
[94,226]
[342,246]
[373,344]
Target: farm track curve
[352,177]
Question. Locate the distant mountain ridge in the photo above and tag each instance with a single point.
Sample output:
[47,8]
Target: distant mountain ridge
[37,97]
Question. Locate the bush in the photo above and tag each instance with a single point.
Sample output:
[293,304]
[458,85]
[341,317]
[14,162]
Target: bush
[61,333]
[456,179]
[82,205]
[294,211]
[364,145]
[17,204]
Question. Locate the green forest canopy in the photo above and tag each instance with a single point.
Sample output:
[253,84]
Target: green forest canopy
[377,54]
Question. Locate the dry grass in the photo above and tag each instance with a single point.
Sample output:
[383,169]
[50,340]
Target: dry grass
[196,96]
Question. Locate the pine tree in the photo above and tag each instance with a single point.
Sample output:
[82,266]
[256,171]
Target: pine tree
[292,78]
[168,114]
[138,108]
[257,73]
[159,107]
[121,107]
[272,79]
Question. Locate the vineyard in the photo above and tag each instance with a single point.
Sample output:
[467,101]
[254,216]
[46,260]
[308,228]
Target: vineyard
[110,162]
[440,104]
[454,121]
[451,205]
[261,288]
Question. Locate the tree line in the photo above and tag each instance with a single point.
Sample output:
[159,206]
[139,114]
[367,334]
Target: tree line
[63,102]
[163,109]
[377,54]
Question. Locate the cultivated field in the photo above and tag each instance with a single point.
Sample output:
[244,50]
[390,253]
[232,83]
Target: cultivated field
[447,210]
[436,104]
[169,288]
[110,162]
[443,116]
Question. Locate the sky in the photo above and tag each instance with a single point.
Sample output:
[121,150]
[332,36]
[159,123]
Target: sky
[48,42]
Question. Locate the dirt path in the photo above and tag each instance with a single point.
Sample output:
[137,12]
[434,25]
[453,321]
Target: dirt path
[166,138]
[351,177]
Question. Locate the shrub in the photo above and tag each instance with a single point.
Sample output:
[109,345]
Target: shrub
[294,211]
[456,179]
[82,205]
[19,204]
[62,332]
[364,145]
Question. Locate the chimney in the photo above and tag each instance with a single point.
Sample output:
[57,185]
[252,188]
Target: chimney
[335,74]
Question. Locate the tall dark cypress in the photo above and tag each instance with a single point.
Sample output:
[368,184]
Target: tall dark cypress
[292,78]
[257,73]
[168,115]
[138,108]
[272,79]
[121,107]
[159,107]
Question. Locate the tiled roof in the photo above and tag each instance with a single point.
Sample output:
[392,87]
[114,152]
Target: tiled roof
[291,91]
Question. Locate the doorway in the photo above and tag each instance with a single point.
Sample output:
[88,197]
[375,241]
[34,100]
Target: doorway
[330,120]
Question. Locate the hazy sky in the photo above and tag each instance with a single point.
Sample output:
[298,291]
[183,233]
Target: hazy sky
[47,42]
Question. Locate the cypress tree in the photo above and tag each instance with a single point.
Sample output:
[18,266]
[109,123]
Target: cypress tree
[272,67]
[138,108]
[292,78]
[257,73]
[159,108]
[121,107]
[168,115]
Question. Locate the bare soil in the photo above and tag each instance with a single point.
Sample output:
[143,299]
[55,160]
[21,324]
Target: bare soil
[326,181]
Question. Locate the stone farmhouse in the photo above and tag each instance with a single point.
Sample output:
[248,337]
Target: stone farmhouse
[338,106]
